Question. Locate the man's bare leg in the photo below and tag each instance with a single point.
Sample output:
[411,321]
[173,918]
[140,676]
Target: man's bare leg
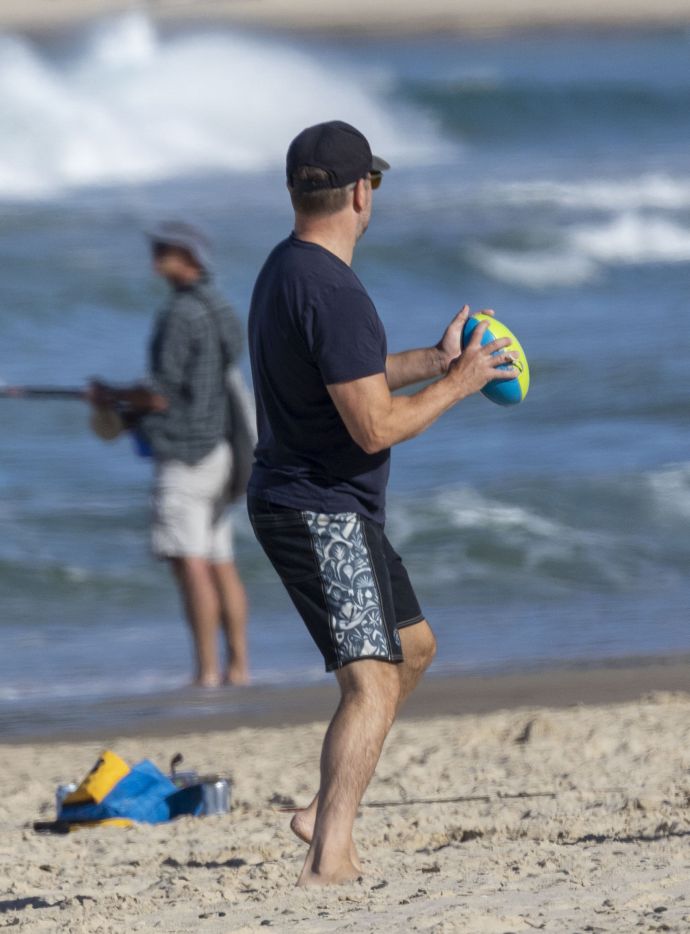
[351,748]
[419,648]
[202,609]
[233,606]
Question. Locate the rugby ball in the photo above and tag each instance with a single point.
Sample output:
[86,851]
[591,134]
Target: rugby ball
[508,391]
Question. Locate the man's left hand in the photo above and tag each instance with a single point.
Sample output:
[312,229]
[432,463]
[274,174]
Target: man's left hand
[448,347]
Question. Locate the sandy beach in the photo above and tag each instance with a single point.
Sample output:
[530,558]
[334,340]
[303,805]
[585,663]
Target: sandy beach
[554,818]
[359,16]
[553,800]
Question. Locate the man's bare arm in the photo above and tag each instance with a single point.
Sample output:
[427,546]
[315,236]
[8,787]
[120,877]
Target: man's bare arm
[377,420]
[413,366]
[416,366]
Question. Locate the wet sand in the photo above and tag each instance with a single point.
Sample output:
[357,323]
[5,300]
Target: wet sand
[261,705]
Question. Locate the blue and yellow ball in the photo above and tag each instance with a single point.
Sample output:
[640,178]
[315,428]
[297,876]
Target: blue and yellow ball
[508,391]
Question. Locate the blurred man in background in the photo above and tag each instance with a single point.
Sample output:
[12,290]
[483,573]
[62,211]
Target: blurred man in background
[181,416]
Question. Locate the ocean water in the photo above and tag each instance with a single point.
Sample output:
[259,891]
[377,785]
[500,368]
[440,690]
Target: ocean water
[545,177]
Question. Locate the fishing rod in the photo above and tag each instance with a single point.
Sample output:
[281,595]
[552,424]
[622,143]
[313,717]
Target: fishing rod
[108,422]
[42,392]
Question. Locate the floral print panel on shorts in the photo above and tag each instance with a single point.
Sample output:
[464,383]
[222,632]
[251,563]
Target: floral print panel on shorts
[351,590]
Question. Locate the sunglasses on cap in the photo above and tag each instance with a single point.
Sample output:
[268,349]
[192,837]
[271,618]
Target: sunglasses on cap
[375,177]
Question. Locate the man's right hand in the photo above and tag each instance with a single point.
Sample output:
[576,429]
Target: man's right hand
[478,364]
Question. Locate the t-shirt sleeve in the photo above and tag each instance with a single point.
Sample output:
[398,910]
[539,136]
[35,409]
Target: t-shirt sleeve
[349,341]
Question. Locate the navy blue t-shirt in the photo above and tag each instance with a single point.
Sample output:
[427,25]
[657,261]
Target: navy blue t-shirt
[312,324]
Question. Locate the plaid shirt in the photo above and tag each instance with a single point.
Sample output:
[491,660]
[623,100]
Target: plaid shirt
[187,363]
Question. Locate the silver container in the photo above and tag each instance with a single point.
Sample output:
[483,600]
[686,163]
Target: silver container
[215,796]
[61,793]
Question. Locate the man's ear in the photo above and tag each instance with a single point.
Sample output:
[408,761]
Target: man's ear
[359,195]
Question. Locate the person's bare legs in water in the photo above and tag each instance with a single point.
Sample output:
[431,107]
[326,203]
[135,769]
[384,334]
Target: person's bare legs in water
[233,610]
[211,593]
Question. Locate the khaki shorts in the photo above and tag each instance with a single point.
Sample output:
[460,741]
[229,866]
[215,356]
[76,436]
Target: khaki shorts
[190,514]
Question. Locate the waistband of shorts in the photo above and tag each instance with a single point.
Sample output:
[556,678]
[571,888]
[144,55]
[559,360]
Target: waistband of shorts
[263,507]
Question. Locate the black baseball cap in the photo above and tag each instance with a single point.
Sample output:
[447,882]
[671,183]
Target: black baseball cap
[337,148]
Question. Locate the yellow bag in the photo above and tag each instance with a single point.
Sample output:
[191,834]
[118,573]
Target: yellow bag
[100,781]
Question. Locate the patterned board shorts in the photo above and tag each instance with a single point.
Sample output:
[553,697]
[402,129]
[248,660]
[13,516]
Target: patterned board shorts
[345,579]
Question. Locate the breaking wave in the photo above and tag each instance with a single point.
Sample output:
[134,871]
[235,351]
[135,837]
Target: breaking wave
[582,250]
[128,106]
[645,192]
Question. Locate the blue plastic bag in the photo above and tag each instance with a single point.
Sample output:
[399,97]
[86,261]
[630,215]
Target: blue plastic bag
[144,795]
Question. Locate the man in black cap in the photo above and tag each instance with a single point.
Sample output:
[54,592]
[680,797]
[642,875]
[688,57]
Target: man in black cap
[327,419]
[181,415]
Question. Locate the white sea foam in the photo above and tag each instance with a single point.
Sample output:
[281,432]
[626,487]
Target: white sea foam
[633,238]
[670,488]
[470,534]
[645,192]
[534,269]
[583,250]
[469,510]
[129,106]
[639,220]
[465,509]
[27,689]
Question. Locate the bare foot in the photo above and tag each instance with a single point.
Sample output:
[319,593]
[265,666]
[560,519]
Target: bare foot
[339,875]
[237,675]
[207,681]
[302,825]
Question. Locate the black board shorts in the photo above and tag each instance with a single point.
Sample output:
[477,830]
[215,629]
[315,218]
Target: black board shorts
[344,577]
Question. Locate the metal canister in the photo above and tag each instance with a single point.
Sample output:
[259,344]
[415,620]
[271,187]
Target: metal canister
[61,793]
[215,796]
